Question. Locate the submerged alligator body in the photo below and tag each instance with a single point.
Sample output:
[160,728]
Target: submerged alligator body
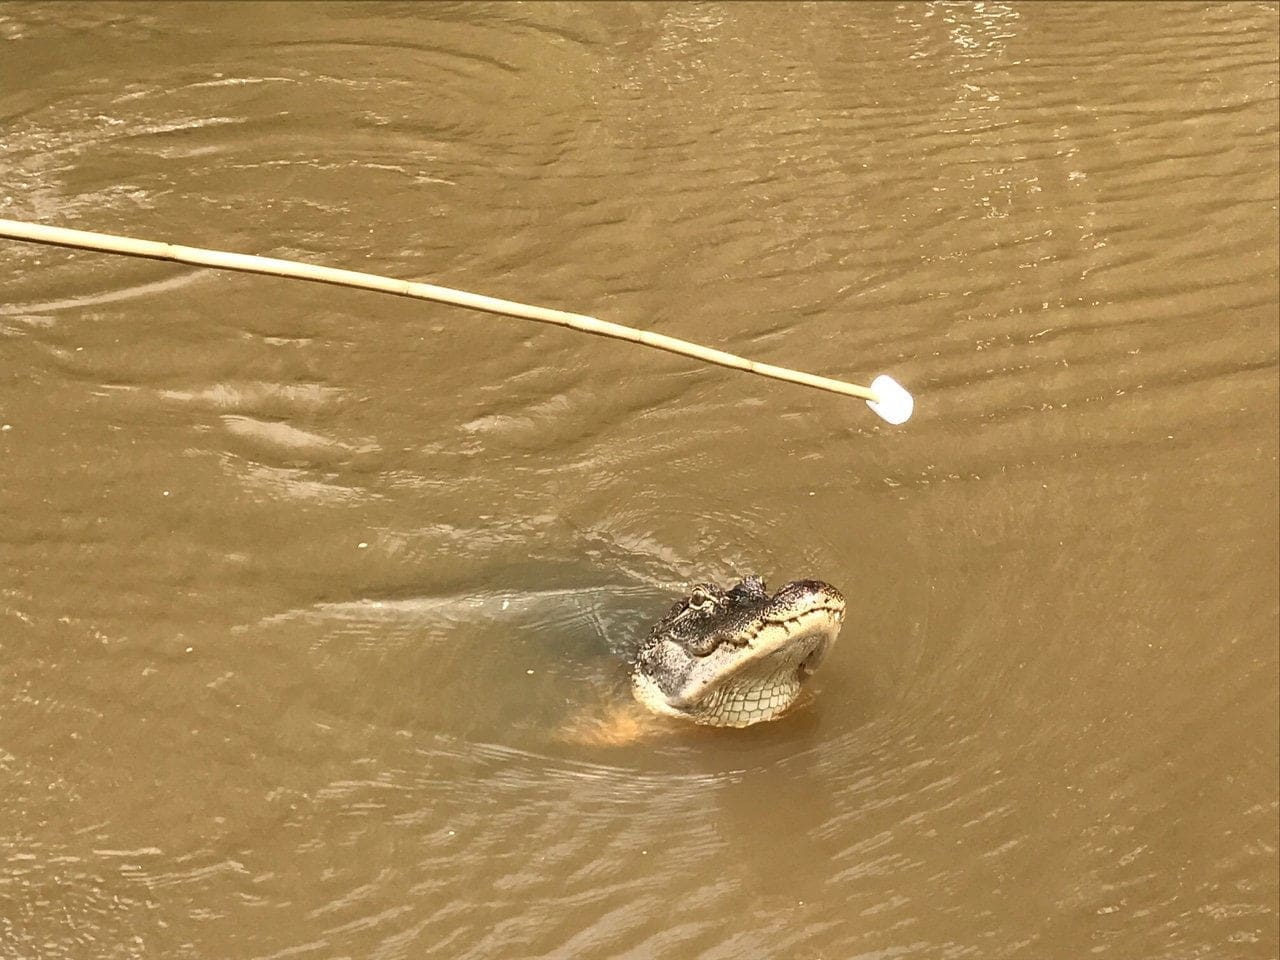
[731,658]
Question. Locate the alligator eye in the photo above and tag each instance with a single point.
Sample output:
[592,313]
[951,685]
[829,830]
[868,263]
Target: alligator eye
[701,598]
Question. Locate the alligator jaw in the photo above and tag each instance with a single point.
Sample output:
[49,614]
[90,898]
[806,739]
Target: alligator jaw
[747,665]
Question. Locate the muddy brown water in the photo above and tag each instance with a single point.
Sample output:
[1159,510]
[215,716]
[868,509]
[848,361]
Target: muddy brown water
[300,585]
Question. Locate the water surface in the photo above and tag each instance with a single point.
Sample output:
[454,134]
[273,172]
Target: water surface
[300,586]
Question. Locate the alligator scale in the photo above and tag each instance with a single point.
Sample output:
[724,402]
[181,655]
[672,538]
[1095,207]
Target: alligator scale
[731,658]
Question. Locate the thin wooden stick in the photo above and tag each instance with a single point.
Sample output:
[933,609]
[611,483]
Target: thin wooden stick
[195,256]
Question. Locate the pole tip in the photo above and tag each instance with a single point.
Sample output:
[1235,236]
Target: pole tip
[895,404]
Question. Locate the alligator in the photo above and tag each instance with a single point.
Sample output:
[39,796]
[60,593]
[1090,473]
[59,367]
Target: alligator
[732,658]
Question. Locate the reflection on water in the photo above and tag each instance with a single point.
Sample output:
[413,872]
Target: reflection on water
[301,586]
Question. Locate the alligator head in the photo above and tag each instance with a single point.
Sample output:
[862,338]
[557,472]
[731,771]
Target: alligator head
[731,658]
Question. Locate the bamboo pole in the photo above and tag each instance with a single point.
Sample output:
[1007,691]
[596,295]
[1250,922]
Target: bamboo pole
[878,398]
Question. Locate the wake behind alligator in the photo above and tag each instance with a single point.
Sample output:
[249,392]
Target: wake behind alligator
[720,657]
